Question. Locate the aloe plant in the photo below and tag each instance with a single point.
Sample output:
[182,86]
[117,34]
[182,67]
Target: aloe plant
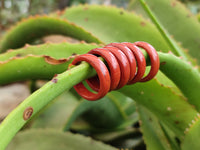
[167,107]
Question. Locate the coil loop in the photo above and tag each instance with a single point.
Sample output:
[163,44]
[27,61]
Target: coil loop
[122,60]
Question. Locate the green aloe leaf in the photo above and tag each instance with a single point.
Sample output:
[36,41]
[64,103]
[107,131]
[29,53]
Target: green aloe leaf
[39,62]
[177,20]
[170,108]
[115,115]
[153,134]
[178,71]
[51,139]
[112,24]
[57,51]
[192,135]
[36,27]
[114,135]
[31,67]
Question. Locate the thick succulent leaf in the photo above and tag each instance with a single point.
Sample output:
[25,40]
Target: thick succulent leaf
[57,51]
[95,113]
[153,134]
[171,137]
[181,24]
[125,103]
[114,115]
[51,139]
[113,135]
[31,67]
[170,108]
[167,82]
[184,75]
[35,27]
[112,24]
[57,113]
[130,138]
[39,65]
[192,135]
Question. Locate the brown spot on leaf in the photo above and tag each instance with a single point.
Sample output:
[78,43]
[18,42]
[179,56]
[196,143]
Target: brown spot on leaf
[173,4]
[85,8]
[121,12]
[189,15]
[53,61]
[142,23]
[18,55]
[27,113]
[176,122]
[54,80]
[163,63]
[73,54]
[71,57]
[162,85]
[86,19]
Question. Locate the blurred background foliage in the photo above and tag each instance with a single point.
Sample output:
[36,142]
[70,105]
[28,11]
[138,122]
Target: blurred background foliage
[13,10]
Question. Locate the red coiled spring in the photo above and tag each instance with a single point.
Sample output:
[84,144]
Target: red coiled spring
[122,60]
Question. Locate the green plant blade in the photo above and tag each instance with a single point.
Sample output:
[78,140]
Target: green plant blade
[175,48]
[125,103]
[170,108]
[192,135]
[184,75]
[39,65]
[36,27]
[178,21]
[152,132]
[57,51]
[115,116]
[113,135]
[30,67]
[51,139]
[111,24]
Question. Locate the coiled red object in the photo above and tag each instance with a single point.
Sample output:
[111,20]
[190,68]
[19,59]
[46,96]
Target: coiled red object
[122,60]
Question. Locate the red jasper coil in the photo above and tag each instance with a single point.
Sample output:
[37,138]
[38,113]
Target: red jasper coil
[126,64]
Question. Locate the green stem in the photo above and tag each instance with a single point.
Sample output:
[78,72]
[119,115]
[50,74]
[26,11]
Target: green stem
[170,41]
[39,99]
